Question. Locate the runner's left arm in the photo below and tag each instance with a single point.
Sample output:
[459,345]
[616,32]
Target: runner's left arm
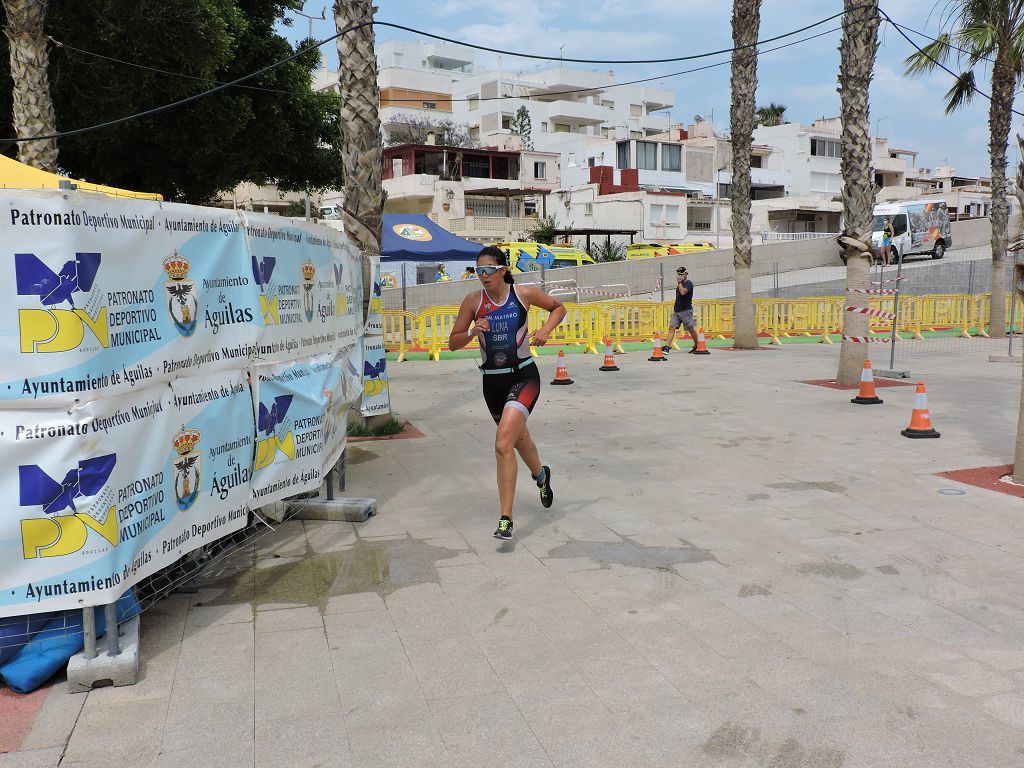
[534,296]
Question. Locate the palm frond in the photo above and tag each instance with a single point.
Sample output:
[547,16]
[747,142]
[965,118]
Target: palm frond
[926,59]
[961,92]
[979,41]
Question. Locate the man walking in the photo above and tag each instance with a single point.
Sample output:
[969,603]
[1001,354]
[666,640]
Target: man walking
[682,312]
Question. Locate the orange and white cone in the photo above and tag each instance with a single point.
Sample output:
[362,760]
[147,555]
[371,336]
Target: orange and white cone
[657,356]
[866,394]
[920,420]
[702,347]
[609,357]
[562,371]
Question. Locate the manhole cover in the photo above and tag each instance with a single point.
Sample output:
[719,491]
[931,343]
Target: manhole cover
[951,492]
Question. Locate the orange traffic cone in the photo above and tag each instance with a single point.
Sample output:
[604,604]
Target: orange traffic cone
[702,347]
[657,356]
[866,394]
[920,421]
[561,372]
[609,357]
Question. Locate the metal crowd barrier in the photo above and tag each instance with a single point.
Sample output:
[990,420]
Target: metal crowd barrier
[587,325]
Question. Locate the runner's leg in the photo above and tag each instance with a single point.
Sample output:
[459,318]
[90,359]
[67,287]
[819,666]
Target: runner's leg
[511,426]
[528,451]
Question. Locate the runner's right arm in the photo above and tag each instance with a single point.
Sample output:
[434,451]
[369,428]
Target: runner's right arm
[462,333]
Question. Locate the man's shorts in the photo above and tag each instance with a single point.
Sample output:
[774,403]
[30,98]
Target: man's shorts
[684,318]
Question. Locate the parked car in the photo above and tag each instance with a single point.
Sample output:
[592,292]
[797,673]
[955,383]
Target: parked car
[919,229]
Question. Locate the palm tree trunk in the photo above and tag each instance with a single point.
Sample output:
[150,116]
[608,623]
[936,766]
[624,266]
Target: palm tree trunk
[999,134]
[857,52]
[31,108]
[363,205]
[746,23]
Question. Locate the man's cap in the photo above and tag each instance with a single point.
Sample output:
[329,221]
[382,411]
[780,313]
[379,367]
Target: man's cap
[681,270]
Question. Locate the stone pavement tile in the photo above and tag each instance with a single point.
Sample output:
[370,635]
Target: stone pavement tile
[414,744]
[34,758]
[382,525]
[316,741]
[1007,707]
[450,666]
[469,576]
[55,720]
[288,539]
[969,678]
[229,754]
[162,627]
[487,729]
[998,654]
[102,738]
[357,624]
[376,682]
[294,675]
[288,619]
[353,603]
[934,621]
[217,651]
[203,614]
[287,582]
[329,536]
[625,689]
[195,722]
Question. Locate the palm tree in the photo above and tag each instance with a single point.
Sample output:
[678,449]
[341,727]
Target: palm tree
[1018,289]
[857,51]
[363,207]
[985,32]
[746,23]
[771,114]
[31,108]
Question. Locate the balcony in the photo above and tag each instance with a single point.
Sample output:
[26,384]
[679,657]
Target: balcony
[491,229]
[578,112]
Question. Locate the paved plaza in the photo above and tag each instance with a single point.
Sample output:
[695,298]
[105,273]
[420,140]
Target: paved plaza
[739,570]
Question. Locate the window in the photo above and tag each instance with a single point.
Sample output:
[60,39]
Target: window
[472,102]
[825,148]
[430,105]
[607,104]
[672,214]
[559,263]
[899,224]
[563,128]
[647,155]
[588,209]
[637,110]
[591,162]
[622,152]
[540,170]
[506,122]
[657,214]
[671,157]
[755,161]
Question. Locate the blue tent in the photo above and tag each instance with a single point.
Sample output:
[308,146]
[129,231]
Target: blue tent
[415,237]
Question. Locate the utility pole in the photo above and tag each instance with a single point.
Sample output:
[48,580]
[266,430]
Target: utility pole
[322,17]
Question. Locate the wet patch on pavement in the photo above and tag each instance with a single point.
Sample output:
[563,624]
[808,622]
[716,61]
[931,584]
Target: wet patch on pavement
[628,552]
[734,741]
[832,569]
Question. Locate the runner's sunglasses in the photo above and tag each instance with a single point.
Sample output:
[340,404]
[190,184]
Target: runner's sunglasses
[487,269]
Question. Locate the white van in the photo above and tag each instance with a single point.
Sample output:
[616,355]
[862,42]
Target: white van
[919,229]
[330,212]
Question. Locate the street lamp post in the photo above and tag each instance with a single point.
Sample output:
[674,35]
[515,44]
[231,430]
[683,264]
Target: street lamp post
[322,17]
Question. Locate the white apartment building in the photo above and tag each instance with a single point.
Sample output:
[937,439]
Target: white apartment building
[568,107]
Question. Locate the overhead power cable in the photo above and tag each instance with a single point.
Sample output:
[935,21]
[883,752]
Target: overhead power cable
[360,25]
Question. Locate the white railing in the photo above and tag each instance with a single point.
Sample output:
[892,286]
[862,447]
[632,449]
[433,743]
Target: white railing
[489,224]
[786,236]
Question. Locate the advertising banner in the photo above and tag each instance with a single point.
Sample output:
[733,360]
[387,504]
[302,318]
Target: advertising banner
[107,296]
[108,493]
[376,397]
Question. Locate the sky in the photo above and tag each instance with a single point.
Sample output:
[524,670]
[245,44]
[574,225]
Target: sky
[907,111]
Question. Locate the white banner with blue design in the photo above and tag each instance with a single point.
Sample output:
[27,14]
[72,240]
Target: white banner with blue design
[149,349]
[108,493]
[105,296]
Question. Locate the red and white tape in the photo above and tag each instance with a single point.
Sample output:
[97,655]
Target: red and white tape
[866,340]
[874,291]
[885,282]
[604,293]
[872,312]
